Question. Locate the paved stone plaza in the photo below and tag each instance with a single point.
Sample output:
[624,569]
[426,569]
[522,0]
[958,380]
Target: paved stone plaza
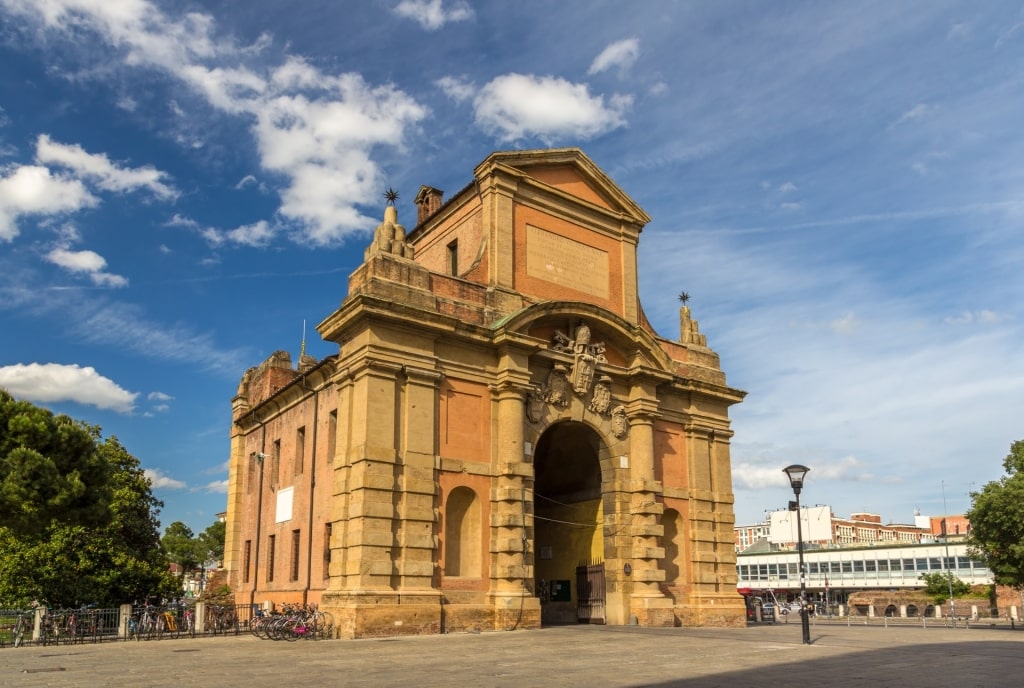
[591,656]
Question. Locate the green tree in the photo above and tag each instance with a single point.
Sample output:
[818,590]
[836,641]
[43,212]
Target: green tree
[50,470]
[67,565]
[211,543]
[997,522]
[182,546]
[937,585]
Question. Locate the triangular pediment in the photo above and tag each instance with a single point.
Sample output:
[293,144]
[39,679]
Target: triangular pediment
[570,171]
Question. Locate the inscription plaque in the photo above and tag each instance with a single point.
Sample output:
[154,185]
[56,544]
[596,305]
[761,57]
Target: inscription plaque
[566,262]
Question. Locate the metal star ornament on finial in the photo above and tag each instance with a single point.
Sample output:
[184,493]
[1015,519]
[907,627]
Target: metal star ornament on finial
[684,297]
[391,196]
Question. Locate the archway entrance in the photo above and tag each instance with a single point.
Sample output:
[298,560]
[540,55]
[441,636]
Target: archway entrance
[568,533]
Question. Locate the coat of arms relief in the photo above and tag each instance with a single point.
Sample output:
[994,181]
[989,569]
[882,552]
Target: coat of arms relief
[563,381]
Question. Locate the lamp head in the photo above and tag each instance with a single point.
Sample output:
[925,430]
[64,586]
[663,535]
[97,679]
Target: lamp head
[796,474]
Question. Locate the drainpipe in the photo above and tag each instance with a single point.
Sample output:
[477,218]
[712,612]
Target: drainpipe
[259,510]
[312,488]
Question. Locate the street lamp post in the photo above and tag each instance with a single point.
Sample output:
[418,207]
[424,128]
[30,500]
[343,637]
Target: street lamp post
[796,475]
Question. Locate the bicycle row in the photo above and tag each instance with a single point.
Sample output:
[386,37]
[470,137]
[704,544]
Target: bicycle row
[44,626]
[292,622]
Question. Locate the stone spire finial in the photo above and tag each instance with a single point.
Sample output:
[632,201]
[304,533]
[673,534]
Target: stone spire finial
[389,237]
[689,329]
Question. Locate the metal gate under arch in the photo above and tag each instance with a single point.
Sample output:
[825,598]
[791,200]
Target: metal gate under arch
[590,593]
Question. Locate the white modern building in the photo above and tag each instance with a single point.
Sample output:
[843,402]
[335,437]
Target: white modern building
[834,573]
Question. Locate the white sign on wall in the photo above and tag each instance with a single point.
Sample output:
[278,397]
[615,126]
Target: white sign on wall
[284,505]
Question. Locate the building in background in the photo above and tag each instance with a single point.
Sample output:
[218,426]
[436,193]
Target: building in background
[823,529]
[502,440]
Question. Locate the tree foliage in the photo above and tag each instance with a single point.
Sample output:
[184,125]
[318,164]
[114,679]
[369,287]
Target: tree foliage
[106,549]
[181,546]
[50,470]
[191,552]
[997,522]
[938,584]
[211,542]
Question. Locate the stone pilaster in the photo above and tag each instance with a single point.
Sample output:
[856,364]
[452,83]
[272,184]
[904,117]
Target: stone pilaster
[236,493]
[647,602]
[415,524]
[511,559]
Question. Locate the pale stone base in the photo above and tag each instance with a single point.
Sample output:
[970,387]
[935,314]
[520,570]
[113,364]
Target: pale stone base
[653,612]
[374,614]
[724,611]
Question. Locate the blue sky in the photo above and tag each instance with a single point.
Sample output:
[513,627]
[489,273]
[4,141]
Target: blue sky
[838,186]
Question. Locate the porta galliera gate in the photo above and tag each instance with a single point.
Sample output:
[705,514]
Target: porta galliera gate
[502,440]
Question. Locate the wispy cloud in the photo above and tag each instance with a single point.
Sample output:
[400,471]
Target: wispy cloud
[98,169]
[433,14]
[160,481]
[620,54]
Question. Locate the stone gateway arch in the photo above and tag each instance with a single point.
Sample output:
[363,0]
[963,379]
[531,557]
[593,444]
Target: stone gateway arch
[502,440]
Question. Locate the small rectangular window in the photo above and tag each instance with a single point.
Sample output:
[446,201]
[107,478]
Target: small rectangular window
[275,465]
[300,449]
[247,561]
[271,541]
[327,550]
[453,258]
[294,572]
[332,436]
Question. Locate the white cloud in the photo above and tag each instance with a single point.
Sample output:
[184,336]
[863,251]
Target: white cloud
[77,261]
[181,221]
[159,396]
[432,14]
[54,382]
[217,486]
[755,476]
[98,169]
[790,205]
[33,190]
[788,187]
[315,128]
[88,262]
[517,106]
[257,235]
[621,54]
[163,482]
[457,88]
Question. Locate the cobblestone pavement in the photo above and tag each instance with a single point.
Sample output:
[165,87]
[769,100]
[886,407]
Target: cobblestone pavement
[591,656]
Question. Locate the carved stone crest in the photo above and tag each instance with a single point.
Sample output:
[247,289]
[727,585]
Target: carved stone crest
[620,424]
[602,399]
[556,390]
[586,356]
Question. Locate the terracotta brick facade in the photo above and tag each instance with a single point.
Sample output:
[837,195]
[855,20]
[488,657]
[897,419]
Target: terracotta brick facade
[499,411]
